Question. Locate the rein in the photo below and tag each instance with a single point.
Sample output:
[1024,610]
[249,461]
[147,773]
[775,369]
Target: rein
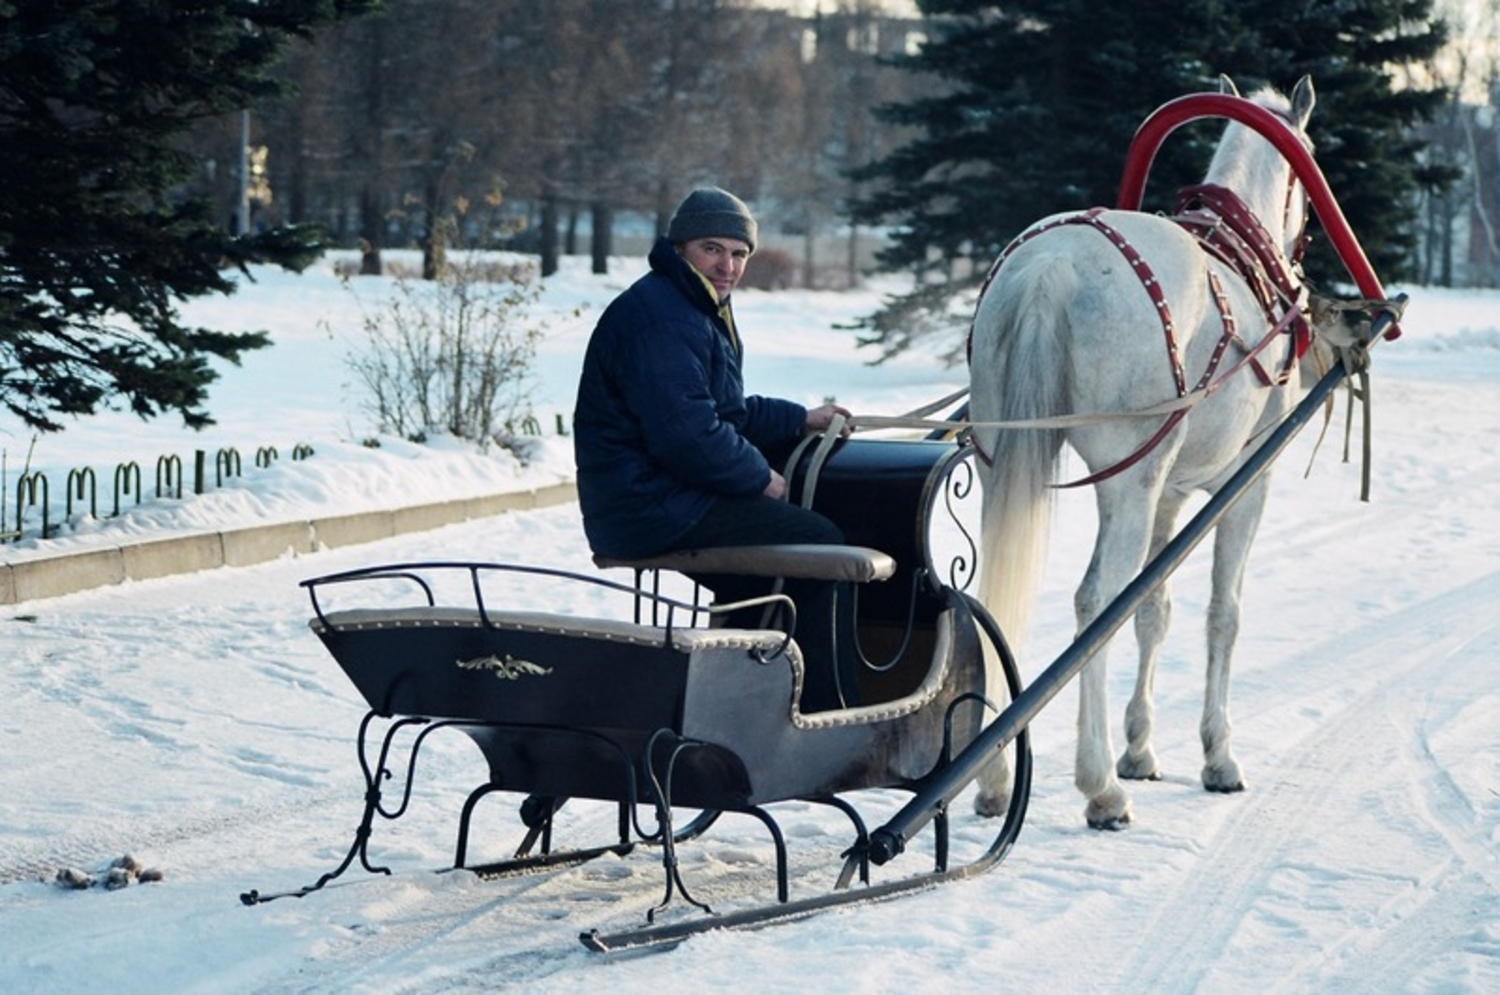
[1355,359]
[1278,270]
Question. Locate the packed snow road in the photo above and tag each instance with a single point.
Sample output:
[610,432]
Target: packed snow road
[195,722]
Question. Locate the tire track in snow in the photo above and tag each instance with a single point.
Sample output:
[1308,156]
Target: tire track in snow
[1421,500]
[40,860]
[389,937]
[1217,913]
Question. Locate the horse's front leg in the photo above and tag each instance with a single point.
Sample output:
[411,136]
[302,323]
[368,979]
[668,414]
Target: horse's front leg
[1152,621]
[1232,538]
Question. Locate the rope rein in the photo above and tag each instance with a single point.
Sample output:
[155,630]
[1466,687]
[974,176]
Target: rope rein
[1355,358]
[918,419]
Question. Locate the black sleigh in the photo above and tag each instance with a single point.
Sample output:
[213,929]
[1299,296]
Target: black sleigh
[678,718]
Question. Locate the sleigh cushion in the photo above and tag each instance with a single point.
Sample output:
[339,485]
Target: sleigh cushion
[797,561]
[683,640]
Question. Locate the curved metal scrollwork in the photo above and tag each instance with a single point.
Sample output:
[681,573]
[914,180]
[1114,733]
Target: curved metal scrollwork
[958,484]
[961,483]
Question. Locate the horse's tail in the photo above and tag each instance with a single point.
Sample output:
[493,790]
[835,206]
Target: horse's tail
[1018,374]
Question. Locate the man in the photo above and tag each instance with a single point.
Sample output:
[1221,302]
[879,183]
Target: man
[671,452]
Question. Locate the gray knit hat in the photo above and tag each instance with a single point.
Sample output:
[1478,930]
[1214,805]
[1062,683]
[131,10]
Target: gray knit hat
[708,212]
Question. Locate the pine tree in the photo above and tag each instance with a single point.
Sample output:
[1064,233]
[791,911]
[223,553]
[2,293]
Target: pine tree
[96,246]
[1363,128]
[1042,98]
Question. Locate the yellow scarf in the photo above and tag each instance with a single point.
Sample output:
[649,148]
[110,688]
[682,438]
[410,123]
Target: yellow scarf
[725,313]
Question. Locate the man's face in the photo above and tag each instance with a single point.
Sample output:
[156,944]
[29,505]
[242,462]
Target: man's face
[720,260]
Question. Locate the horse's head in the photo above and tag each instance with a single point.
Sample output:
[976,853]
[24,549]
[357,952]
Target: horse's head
[1338,326]
[1251,166]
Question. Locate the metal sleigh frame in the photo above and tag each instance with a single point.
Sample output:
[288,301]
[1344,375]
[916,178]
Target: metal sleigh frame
[718,729]
[708,718]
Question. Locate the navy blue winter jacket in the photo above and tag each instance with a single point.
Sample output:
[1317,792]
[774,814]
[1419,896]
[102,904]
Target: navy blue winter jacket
[663,426]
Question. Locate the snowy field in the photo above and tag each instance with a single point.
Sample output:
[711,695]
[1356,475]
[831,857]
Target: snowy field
[195,723]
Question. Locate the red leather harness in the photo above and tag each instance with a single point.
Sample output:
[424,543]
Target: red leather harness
[1227,230]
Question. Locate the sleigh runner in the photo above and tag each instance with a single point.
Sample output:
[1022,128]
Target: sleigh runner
[671,713]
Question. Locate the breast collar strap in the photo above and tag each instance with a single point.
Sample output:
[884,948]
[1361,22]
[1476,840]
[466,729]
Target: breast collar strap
[1231,233]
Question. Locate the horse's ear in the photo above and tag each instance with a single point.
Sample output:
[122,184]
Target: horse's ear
[1227,87]
[1302,102]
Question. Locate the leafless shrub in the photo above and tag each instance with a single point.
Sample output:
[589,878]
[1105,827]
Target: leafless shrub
[451,354]
[770,269]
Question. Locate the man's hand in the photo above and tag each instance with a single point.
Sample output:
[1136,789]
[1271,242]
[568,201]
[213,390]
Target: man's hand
[820,418]
[776,487]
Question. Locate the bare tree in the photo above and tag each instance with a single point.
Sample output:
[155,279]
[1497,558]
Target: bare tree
[1460,237]
[449,110]
[582,110]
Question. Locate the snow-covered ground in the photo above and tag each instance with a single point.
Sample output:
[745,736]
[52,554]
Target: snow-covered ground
[194,722]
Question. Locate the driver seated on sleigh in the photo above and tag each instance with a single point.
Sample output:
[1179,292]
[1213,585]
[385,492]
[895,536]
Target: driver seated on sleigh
[673,455]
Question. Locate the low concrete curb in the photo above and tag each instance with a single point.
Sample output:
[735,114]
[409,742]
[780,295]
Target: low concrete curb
[72,572]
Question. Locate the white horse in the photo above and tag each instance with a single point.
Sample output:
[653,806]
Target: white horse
[1116,312]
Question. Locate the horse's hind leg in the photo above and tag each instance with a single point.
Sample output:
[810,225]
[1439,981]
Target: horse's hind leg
[1232,538]
[1124,536]
[1152,620]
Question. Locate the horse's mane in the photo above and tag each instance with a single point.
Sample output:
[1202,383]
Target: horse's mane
[1243,156]
[1233,148]
[1272,99]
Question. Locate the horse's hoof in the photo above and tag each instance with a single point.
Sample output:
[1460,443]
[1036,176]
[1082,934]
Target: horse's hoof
[1110,811]
[1111,825]
[1225,789]
[1224,781]
[1143,768]
[991,806]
